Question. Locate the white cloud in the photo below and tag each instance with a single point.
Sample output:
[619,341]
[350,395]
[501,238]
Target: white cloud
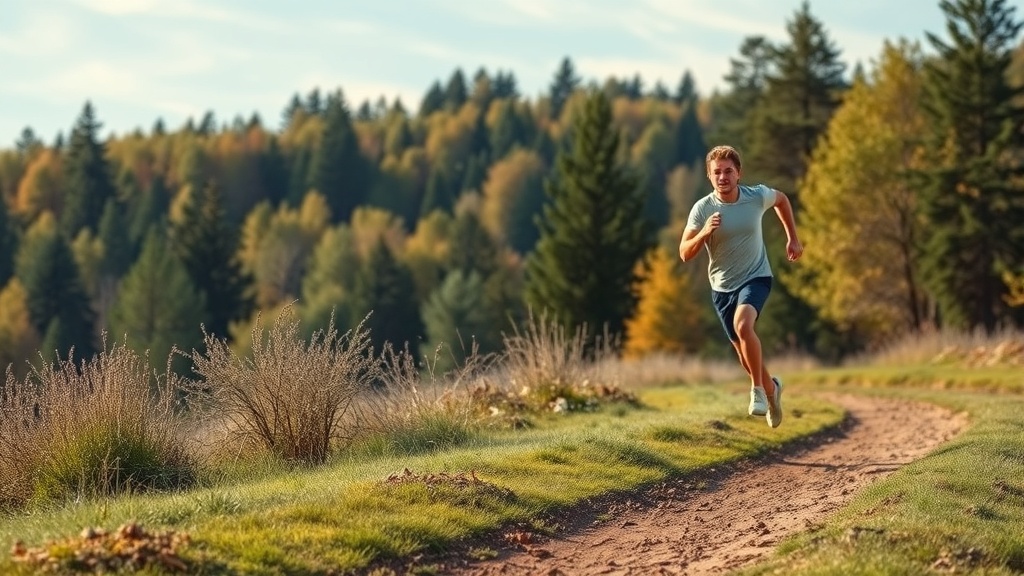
[43,33]
[735,17]
[119,7]
[186,10]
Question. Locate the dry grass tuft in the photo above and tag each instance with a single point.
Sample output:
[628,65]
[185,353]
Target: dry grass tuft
[104,427]
[544,369]
[289,396]
[971,349]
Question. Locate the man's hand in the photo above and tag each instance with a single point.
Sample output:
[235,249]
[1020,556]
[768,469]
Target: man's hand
[794,249]
[711,224]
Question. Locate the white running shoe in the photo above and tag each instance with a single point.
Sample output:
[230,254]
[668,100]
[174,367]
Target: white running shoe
[758,402]
[775,406]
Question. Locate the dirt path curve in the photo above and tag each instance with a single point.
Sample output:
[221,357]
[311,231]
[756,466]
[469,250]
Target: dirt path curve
[732,516]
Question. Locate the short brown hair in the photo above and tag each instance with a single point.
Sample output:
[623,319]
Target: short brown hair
[723,153]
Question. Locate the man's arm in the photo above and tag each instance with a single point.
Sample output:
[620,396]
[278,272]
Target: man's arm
[784,210]
[694,239]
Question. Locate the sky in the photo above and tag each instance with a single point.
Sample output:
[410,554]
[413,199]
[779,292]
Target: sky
[140,60]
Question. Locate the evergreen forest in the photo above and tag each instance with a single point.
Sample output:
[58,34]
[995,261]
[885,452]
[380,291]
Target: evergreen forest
[442,225]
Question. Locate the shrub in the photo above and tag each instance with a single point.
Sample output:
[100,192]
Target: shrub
[415,409]
[104,427]
[288,395]
[544,369]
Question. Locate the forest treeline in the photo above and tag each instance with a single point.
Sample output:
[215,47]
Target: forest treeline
[451,220]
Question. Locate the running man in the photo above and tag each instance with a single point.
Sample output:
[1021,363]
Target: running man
[727,222]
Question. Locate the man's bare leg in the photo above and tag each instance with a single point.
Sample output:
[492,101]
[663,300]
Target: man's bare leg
[749,348]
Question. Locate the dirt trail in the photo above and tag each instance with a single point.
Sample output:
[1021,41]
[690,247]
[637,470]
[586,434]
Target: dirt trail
[732,516]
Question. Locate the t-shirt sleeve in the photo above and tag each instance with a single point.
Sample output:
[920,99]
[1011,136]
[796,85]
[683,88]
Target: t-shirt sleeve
[768,195]
[695,221]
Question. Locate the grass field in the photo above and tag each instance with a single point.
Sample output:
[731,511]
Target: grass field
[349,513]
[960,509]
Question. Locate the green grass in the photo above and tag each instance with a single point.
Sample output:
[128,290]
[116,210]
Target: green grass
[345,515]
[959,509]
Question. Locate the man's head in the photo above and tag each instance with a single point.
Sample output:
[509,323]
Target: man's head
[723,165]
[724,153]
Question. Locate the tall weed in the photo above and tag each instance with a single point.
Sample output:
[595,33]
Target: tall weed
[289,396]
[545,368]
[103,427]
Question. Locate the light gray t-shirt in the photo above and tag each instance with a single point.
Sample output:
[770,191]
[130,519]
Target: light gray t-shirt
[736,248]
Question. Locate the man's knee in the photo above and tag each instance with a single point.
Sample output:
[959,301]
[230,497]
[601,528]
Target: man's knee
[744,322]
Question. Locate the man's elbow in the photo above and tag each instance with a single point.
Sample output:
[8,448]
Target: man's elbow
[683,255]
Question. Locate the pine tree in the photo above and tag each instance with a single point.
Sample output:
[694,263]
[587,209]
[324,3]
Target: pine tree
[364,113]
[288,114]
[973,201]
[660,92]
[505,85]
[734,111]
[314,102]
[149,208]
[472,248]
[801,93]
[483,91]
[438,194]
[456,316]
[118,250]
[207,245]
[564,84]
[433,100]
[299,175]
[56,299]
[592,230]
[476,172]
[28,143]
[208,125]
[339,170]
[88,182]
[273,172]
[690,145]
[455,93]
[158,307]
[686,92]
[508,131]
[385,291]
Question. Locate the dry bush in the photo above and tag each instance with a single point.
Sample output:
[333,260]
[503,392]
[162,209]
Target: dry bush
[288,395]
[543,368]
[104,427]
[414,408]
[976,348]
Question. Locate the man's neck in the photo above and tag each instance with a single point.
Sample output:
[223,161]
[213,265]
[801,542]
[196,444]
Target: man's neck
[728,196]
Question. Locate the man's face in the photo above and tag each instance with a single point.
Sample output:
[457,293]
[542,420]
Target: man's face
[724,175]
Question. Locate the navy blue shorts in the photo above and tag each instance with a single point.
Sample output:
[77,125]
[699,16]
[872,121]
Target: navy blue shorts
[754,292]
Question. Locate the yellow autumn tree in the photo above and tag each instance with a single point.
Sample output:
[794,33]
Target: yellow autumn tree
[668,316]
[1015,289]
[277,245]
[426,251]
[41,188]
[512,196]
[858,220]
[19,340]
